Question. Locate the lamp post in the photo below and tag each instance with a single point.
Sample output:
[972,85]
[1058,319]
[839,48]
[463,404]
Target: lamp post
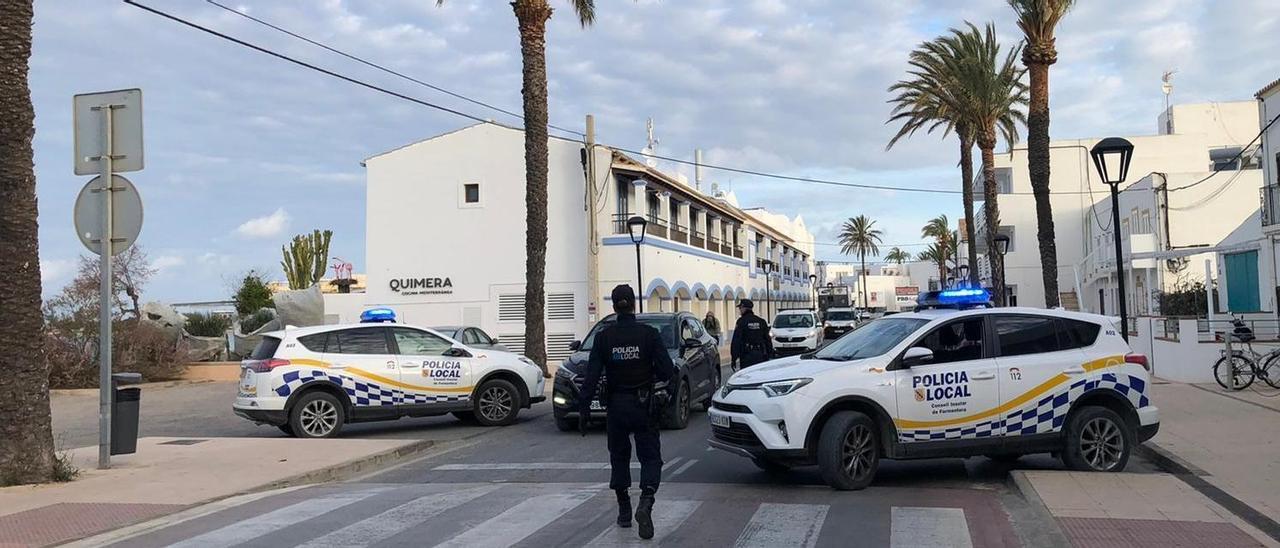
[636,227]
[813,284]
[962,274]
[1002,247]
[1111,157]
[768,285]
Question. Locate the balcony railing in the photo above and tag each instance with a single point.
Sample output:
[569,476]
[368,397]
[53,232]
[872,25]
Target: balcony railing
[1270,205]
[656,227]
[679,233]
[697,239]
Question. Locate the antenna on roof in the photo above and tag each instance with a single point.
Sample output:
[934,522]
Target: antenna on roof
[697,169]
[1166,86]
[652,146]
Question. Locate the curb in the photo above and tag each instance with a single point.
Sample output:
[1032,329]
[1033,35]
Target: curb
[1195,477]
[1049,535]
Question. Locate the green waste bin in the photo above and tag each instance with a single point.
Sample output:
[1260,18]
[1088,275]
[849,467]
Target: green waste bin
[124,413]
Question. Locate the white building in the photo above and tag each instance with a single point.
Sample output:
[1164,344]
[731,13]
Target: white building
[890,287]
[1193,140]
[446,224]
[1269,156]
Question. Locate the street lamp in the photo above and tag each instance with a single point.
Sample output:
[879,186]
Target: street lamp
[813,283]
[1002,247]
[636,227]
[768,285]
[962,273]
[1111,157]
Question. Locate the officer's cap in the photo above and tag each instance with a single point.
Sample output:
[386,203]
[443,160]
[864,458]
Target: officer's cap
[746,303]
[623,296]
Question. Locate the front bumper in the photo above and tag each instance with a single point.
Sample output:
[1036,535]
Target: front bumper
[760,425]
[807,345]
[564,400]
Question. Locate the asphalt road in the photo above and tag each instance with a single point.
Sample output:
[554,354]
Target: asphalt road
[531,485]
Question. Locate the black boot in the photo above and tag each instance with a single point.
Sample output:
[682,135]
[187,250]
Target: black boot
[644,514]
[624,508]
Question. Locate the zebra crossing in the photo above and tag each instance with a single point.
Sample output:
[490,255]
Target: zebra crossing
[511,514]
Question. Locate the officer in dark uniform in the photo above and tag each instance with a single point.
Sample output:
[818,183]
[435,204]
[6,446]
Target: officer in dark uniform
[632,356]
[751,341]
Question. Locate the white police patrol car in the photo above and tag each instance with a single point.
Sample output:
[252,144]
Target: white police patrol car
[311,381]
[1000,382]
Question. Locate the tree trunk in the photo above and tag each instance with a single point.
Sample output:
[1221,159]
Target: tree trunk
[966,172]
[532,16]
[26,439]
[991,212]
[866,303]
[1038,167]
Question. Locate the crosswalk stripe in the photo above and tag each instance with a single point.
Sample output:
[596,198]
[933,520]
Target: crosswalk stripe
[519,521]
[667,517]
[396,520]
[784,525]
[252,528]
[929,527]
[686,466]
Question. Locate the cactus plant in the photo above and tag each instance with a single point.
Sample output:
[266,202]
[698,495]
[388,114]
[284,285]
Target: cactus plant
[306,258]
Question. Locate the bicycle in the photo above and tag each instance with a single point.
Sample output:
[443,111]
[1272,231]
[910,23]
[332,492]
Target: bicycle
[1246,364]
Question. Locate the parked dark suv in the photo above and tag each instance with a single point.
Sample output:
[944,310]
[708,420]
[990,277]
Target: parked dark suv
[692,349]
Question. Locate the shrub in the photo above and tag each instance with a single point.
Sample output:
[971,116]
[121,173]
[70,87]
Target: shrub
[138,347]
[253,295]
[1186,299]
[207,325]
[252,322]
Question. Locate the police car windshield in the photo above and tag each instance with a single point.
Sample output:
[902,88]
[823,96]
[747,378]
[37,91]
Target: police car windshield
[872,339]
[789,321]
[840,315]
[665,326]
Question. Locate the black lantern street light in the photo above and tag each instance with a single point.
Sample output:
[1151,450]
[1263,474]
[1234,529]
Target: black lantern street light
[1111,157]
[636,227]
[813,283]
[768,284]
[1002,247]
[962,274]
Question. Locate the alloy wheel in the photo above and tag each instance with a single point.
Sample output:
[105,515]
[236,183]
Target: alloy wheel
[856,452]
[319,418]
[683,404]
[495,404]
[1102,444]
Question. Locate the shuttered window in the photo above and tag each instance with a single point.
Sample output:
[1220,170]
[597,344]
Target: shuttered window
[560,306]
[511,308]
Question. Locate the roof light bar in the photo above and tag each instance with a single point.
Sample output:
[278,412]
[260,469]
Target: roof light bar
[378,315]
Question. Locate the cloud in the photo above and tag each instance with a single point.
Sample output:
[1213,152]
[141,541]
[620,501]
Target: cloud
[165,263]
[55,271]
[268,226]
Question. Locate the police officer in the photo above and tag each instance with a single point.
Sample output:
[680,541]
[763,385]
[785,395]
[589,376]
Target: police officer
[632,356]
[751,342]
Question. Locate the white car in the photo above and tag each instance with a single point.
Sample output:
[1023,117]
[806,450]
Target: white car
[311,381]
[795,331]
[838,321]
[1000,382]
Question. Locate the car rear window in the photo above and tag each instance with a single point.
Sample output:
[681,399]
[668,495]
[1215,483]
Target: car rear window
[314,343]
[1078,334]
[1021,335]
[266,349]
[365,340]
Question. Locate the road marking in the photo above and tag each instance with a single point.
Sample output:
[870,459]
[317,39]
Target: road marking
[270,522]
[927,527]
[520,521]
[686,466]
[396,520]
[784,525]
[530,466]
[667,517]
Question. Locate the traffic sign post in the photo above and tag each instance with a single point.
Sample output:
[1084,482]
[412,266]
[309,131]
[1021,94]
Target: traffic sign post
[113,144]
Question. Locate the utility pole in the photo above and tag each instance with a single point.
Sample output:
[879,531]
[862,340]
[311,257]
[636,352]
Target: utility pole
[593,239]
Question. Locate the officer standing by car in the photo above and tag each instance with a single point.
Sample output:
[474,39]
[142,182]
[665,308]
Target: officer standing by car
[751,342]
[632,356]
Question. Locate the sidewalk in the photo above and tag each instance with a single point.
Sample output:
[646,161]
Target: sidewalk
[169,474]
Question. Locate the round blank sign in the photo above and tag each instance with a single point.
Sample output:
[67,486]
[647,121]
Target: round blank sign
[126,214]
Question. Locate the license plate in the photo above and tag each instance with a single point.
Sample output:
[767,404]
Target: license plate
[717,419]
[596,405]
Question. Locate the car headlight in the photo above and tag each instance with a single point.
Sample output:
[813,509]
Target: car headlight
[774,389]
[564,373]
[527,361]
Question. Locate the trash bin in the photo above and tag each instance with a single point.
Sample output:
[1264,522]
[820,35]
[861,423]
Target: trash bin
[124,413]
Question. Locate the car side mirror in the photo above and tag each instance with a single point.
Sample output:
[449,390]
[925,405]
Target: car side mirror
[575,345]
[917,355]
[692,343]
[456,353]
[493,340]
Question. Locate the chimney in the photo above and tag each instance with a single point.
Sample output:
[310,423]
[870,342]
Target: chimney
[697,169]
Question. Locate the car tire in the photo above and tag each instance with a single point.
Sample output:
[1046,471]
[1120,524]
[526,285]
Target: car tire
[770,466]
[317,414]
[566,424]
[287,429]
[496,403]
[1097,440]
[677,415]
[849,451]
[468,417]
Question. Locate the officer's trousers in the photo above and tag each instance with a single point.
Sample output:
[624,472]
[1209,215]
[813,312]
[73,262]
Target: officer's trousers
[628,416]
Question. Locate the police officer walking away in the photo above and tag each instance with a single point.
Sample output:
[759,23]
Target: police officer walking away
[751,342]
[632,356]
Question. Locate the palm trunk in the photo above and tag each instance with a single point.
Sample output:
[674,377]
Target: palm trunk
[532,16]
[866,303]
[966,172]
[26,439]
[1038,167]
[991,213]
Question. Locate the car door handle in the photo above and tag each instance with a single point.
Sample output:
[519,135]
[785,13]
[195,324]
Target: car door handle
[983,376]
[410,365]
[1077,370]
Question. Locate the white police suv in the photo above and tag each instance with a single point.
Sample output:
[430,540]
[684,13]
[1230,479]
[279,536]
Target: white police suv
[311,381]
[1000,382]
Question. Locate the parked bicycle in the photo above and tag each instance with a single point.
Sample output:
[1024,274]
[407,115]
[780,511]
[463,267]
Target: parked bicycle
[1244,364]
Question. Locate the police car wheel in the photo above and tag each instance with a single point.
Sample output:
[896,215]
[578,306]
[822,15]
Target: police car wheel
[1098,440]
[496,403]
[566,424]
[317,415]
[677,416]
[848,451]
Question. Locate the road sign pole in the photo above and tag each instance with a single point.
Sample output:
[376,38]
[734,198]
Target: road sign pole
[105,292]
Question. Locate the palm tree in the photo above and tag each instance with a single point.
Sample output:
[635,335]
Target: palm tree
[1038,19]
[897,256]
[858,236]
[26,455]
[531,20]
[937,255]
[938,229]
[990,92]
[923,101]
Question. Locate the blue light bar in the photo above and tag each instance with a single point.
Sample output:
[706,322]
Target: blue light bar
[378,315]
[964,296]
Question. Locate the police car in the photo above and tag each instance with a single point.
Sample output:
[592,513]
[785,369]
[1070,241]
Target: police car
[311,381]
[795,331]
[944,382]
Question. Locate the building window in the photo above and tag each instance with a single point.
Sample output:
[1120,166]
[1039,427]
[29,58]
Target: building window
[653,204]
[624,192]
[471,193]
[674,207]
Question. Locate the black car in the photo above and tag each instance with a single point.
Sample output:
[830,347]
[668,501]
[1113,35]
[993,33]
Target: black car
[693,350]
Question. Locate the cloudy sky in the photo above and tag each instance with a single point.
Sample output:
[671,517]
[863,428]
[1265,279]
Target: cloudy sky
[244,150]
